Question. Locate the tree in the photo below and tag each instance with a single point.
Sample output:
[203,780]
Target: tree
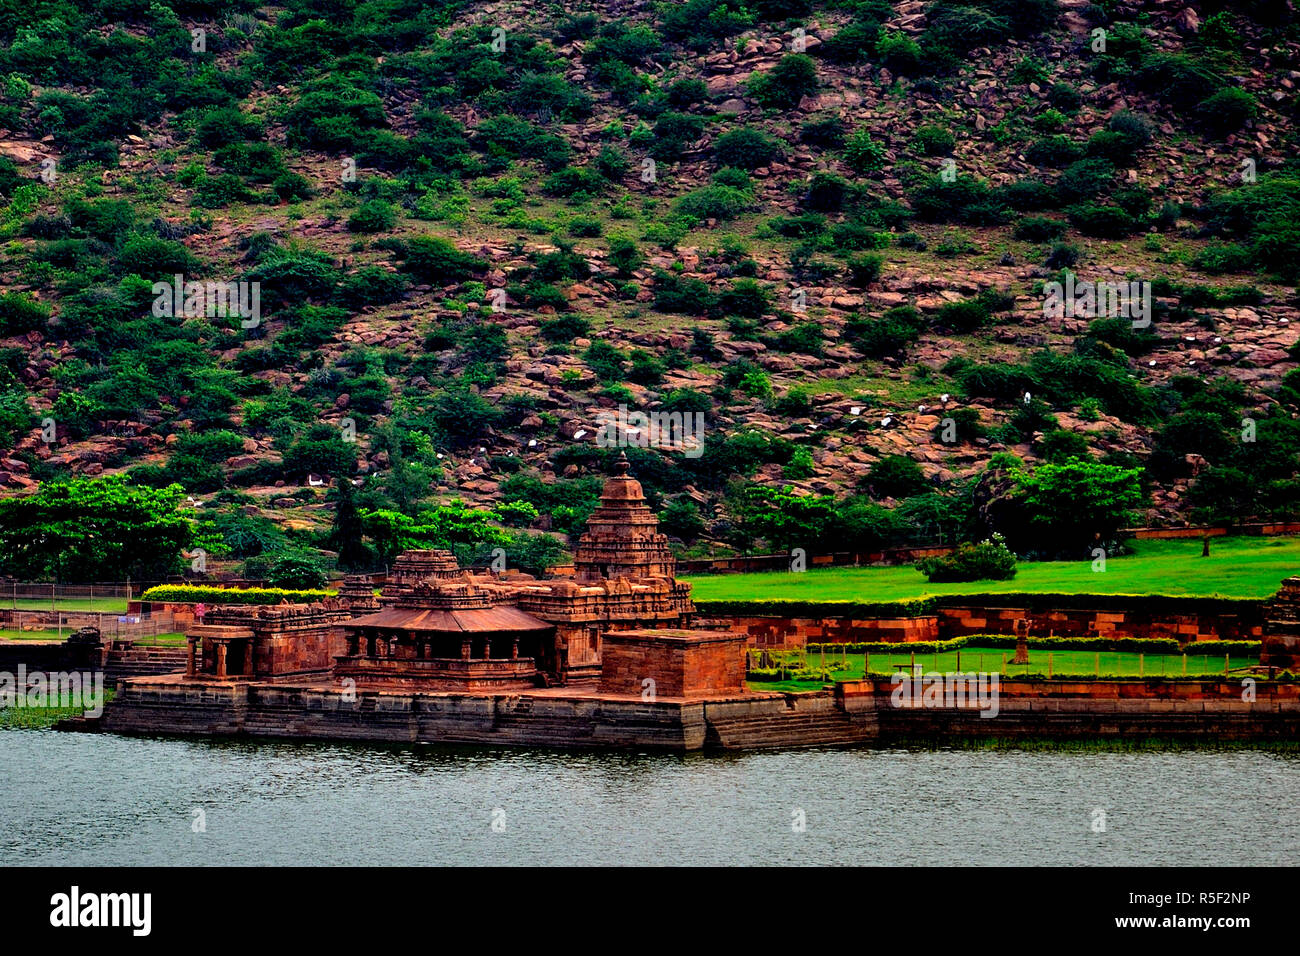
[782,518]
[296,572]
[392,532]
[346,535]
[96,529]
[1072,506]
[897,476]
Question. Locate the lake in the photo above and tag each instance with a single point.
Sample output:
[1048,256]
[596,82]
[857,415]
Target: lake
[89,799]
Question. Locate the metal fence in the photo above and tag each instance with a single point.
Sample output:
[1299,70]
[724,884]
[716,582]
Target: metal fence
[13,593]
[60,624]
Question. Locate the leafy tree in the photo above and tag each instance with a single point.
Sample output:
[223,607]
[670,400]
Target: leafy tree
[897,476]
[1078,505]
[296,572]
[96,529]
[392,532]
[347,533]
[781,517]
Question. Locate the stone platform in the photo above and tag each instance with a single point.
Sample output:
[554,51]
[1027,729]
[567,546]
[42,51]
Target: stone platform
[582,718]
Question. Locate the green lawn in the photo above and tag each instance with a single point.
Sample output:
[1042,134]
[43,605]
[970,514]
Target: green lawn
[989,659]
[106,605]
[161,640]
[10,635]
[1237,568]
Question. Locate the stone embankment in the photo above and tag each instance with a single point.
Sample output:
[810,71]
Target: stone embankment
[856,712]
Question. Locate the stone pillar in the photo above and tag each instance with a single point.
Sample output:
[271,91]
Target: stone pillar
[248,659]
[221,658]
[466,649]
[514,649]
[191,667]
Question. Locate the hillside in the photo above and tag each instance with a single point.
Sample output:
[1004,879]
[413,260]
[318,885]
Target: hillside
[829,228]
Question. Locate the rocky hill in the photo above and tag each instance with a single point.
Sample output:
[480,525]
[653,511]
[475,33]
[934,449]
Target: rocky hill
[478,230]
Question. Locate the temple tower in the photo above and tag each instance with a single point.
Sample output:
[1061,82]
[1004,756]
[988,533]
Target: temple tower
[622,537]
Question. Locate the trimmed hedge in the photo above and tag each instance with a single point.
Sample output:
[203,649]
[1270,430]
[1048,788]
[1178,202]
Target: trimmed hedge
[196,593]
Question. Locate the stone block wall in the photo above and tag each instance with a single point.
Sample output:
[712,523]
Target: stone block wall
[682,664]
[966,621]
[1193,625]
[798,632]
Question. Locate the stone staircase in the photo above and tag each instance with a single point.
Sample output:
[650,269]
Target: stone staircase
[822,728]
[143,662]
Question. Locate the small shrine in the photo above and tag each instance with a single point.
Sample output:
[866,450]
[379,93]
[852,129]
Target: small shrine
[1281,639]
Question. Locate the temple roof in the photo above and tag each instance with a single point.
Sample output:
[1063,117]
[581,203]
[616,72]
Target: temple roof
[452,621]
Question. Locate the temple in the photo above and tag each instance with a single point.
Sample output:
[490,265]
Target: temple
[438,627]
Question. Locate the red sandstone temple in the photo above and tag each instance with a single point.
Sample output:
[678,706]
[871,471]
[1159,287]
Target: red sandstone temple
[622,621]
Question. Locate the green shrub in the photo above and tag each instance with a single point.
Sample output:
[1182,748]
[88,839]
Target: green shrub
[373,216]
[154,258]
[673,133]
[890,334]
[714,202]
[1064,97]
[574,181]
[565,328]
[898,53]
[865,269]
[1054,151]
[862,154]
[624,256]
[433,259]
[683,295]
[783,86]
[963,317]
[933,141]
[826,131]
[20,312]
[1038,229]
[1085,179]
[605,361]
[745,298]
[896,476]
[745,148]
[990,560]
[687,92]
[295,573]
[1109,222]
[1226,111]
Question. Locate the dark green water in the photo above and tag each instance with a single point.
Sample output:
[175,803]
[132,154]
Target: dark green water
[79,799]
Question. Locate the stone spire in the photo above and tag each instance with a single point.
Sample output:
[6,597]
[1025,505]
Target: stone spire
[622,537]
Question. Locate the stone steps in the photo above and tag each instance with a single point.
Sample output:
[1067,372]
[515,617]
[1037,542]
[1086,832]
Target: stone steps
[143,662]
[776,731]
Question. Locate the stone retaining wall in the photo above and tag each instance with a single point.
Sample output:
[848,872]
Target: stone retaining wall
[949,622]
[857,712]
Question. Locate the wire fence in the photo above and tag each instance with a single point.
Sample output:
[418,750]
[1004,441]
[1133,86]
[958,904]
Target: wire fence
[14,593]
[58,625]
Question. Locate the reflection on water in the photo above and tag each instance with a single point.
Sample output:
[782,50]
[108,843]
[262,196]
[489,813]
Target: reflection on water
[78,799]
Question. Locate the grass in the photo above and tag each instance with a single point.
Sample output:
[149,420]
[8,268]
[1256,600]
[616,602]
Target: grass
[991,659]
[106,605]
[49,635]
[174,639]
[40,718]
[1236,568]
